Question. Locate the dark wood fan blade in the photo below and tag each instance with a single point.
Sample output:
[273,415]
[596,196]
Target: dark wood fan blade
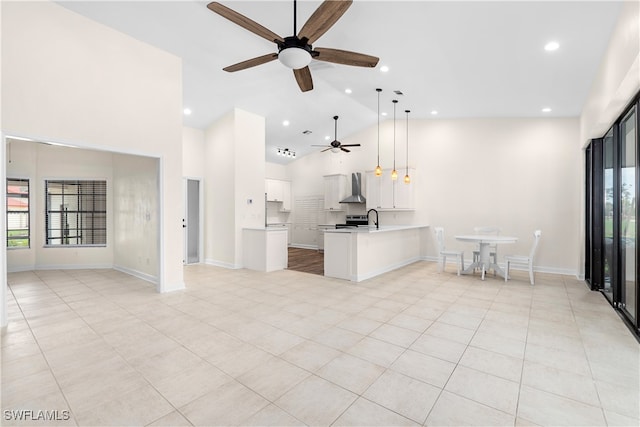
[350,145]
[327,149]
[344,149]
[323,18]
[303,77]
[346,57]
[251,62]
[244,22]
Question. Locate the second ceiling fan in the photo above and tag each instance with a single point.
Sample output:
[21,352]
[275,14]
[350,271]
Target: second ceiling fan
[336,145]
[296,51]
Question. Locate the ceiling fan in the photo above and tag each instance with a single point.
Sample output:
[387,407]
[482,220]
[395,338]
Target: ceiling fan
[336,145]
[296,52]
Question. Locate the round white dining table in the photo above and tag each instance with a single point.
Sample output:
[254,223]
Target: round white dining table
[484,260]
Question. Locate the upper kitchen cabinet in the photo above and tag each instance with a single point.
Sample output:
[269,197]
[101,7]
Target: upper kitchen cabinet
[335,189]
[385,194]
[279,191]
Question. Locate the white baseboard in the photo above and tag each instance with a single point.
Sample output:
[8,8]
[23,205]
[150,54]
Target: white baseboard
[536,268]
[300,246]
[20,268]
[73,267]
[222,264]
[139,274]
[175,287]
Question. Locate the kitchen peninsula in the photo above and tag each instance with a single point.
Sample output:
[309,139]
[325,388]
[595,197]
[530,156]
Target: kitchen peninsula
[357,254]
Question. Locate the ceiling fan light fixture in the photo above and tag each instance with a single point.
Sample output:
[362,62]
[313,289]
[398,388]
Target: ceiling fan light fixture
[294,57]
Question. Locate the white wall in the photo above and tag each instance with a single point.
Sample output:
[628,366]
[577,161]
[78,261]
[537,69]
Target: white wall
[193,160]
[68,79]
[235,173]
[518,174]
[40,162]
[136,216]
[276,171]
[618,78]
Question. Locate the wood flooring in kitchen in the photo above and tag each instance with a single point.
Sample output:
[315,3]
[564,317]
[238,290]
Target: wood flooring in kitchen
[306,261]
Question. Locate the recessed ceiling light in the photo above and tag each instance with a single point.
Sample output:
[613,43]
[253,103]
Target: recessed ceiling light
[187,111]
[383,114]
[546,110]
[285,123]
[384,69]
[434,112]
[327,138]
[347,90]
[551,46]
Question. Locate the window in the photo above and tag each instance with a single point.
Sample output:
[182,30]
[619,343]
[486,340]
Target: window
[76,213]
[17,213]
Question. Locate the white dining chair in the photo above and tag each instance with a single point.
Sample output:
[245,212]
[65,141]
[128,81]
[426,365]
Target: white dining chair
[443,253]
[493,249]
[523,259]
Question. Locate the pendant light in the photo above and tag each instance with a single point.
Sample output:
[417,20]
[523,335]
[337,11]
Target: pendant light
[378,168]
[394,173]
[407,179]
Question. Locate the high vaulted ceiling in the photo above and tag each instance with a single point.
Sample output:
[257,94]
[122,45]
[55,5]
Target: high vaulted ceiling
[462,59]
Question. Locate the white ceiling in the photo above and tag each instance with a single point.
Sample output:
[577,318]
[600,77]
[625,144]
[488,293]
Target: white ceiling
[463,59]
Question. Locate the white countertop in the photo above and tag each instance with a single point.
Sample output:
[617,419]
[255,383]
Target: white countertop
[373,229]
[270,228]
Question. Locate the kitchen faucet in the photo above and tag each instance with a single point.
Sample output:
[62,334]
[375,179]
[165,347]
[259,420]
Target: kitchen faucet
[376,221]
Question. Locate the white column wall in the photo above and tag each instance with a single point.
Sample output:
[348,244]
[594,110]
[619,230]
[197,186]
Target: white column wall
[219,195]
[249,174]
[235,171]
[69,79]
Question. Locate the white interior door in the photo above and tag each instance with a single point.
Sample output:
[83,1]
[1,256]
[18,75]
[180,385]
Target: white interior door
[192,225]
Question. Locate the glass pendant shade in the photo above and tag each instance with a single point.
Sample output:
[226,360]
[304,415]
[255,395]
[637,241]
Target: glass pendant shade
[407,179]
[294,58]
[378,168]
[394,173]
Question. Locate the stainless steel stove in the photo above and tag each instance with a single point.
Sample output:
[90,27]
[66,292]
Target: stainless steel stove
[354,221]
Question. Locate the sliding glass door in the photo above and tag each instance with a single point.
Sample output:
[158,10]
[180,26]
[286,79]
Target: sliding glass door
[612,186]
[628,213]
[608,214]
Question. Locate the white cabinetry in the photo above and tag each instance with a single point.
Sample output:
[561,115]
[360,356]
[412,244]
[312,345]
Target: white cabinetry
[279,191]
[383,193]
[286,197]
[265,249]
[335,189]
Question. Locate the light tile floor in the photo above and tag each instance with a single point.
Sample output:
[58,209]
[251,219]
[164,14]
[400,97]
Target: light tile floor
[412,347]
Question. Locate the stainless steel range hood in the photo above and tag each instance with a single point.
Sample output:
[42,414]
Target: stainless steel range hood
[356,190]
